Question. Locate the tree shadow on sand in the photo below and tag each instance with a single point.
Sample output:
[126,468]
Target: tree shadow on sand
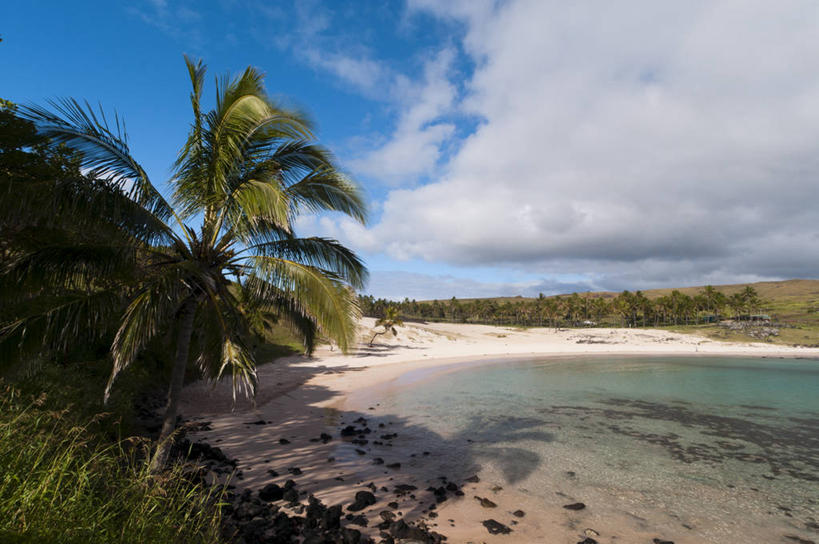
[280,439]
[382,350]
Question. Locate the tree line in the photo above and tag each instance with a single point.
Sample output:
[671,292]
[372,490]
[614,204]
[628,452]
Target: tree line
[627,309]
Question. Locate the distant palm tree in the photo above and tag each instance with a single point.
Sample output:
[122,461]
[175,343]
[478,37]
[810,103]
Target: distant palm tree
[714,299]
[216,256]
[390,320]
[551,309]
[751,298]
[737,303]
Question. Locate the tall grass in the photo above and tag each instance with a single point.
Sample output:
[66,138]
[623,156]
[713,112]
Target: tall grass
[60,483]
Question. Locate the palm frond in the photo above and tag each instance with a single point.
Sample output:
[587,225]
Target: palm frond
[104,148]
[238,360]
[190,166]
[52,324]
[258,202]
[321,253]
[326,189]
[287,310]
[220,345]
[71,266]
[153,307]
[325,297]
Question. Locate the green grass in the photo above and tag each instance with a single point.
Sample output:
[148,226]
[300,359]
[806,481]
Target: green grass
[792,333]
[62,481]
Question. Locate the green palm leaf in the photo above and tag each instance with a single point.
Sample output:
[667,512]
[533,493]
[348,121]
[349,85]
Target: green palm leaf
[104,148]
[326,298]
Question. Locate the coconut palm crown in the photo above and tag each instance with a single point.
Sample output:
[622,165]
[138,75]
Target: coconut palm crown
[216,255]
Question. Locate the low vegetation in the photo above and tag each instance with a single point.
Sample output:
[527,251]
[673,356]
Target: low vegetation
[66,476]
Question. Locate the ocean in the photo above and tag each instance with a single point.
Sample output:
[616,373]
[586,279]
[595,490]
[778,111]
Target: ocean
[710,448]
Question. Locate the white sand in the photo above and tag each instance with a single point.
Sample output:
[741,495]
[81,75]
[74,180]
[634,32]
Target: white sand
[302,397]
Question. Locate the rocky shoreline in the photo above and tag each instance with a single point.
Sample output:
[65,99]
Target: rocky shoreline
[286,514]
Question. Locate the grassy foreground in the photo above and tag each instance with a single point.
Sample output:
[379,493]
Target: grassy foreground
[68,476]
[61,481]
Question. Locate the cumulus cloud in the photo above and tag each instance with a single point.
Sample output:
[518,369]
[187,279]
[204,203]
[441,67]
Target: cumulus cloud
[639,143]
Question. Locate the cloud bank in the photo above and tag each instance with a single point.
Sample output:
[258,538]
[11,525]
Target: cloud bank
[638,144]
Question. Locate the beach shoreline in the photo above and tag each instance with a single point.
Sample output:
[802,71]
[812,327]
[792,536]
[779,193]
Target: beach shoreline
[300,398]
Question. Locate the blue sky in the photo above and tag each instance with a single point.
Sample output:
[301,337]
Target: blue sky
[506,148]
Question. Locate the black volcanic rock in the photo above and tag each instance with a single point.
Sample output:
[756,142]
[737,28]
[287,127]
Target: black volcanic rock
[486,503]
[271,492]
[349,430]
[496,528]
[291,496]
[401,530]
[363,499]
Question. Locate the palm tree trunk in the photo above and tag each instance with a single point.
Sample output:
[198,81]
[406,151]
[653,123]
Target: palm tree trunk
[373,338]
[183,341]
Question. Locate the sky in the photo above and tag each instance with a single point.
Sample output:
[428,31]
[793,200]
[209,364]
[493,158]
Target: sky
[505,147]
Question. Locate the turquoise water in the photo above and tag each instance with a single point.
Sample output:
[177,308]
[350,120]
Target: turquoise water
[715,447]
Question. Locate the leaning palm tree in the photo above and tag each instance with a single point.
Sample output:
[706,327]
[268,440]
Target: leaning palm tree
[205,263]
[390,320]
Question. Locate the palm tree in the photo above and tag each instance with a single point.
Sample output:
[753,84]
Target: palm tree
[751,298]
[737,303]
[211,259]
[390,320]
[551,310]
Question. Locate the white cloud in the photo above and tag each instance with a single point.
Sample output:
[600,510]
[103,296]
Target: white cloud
[414,148]
[675,141]
[360,72]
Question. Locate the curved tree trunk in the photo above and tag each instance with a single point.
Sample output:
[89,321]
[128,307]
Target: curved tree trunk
[376,334]
[183,341]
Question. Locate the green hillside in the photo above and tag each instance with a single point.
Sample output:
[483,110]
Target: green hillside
[775,291]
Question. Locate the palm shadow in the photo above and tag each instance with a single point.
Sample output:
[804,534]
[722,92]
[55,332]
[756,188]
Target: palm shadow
[386,450]
[382,350]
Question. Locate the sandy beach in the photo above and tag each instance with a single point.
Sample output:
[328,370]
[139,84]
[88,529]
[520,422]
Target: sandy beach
[300,398]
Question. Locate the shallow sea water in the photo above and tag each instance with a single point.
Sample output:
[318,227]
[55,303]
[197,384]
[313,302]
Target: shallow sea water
[710,449]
